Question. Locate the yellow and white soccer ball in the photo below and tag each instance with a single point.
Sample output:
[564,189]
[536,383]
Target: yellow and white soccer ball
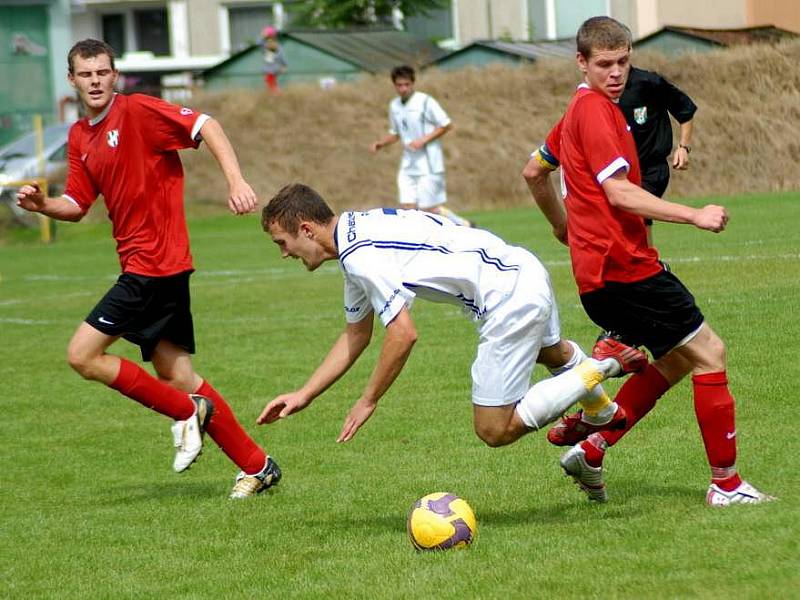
[440,521]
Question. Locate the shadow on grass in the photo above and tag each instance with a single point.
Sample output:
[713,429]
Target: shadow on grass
[181,489]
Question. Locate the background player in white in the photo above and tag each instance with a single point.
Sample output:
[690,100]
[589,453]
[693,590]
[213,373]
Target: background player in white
[419,121]
[389,257]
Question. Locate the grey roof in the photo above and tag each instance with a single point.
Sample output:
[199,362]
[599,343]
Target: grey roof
[373,51]
[525,50]
[725,37]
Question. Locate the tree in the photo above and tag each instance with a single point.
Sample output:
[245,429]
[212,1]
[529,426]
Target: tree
[358,13]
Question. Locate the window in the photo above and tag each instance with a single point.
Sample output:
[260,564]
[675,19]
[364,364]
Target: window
[436,25]
[246,23]
[152,31]
[113,27]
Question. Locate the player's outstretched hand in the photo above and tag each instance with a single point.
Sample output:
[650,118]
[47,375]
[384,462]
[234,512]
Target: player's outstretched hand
[241,198]
[358,415]
[711,218]
[30,197]
[282,406]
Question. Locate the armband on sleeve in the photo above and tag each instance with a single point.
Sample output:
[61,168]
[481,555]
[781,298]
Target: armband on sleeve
[545,158]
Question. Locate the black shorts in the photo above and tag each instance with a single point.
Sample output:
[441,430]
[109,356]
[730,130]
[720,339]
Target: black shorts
[657,312]
[145,310]
[655,180]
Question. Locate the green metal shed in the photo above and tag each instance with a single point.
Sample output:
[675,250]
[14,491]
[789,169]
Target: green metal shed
[314,56]
[672,40]
[484,52]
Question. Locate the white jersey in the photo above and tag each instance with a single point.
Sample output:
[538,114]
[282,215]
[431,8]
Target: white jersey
[418,116]
[391,256]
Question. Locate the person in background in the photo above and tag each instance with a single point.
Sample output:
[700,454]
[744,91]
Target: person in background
[274,59]
[419,121]
[647,103]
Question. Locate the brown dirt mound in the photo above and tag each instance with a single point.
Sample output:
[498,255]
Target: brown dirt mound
[747,130]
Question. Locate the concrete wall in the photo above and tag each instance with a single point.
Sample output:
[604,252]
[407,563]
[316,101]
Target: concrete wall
[490,19]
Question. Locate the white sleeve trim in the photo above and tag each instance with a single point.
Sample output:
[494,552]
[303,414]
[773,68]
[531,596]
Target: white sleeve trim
[71,199]
[198,125]
[618,165]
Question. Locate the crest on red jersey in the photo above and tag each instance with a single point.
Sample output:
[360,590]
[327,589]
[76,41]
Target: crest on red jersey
[113,138]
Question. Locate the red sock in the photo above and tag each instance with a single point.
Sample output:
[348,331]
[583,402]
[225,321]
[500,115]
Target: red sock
[638,395]
[229,435]
[594,449]
[137,384]
[715,410]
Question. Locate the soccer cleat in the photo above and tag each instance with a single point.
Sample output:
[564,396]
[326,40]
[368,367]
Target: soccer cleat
[744,494]
[250,485]
[586,477]
[630,358]
[188,434]
[572,429]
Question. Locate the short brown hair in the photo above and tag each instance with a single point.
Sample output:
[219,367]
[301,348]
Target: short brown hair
[403,72]
[295,203]
[602,33]
[90,48]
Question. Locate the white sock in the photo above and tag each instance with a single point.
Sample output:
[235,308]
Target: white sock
[597,392]
[547,400]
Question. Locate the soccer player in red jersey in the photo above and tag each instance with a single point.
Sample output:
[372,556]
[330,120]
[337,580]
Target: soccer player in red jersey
[623,286]
[126,149]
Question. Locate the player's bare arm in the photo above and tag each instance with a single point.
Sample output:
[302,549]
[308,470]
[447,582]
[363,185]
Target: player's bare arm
[549,202]
[387,140]
[680,158]
[395,350]
[344,352]
[241,197]
[630,197]
[31,198]
[420,143]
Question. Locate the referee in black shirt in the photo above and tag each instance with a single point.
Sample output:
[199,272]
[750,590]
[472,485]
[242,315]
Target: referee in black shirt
[647,102]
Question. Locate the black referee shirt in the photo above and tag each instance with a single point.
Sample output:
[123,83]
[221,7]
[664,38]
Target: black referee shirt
[647,102]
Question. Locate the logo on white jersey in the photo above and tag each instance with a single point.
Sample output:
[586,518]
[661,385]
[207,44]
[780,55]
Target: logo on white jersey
[186,111]
[113,138]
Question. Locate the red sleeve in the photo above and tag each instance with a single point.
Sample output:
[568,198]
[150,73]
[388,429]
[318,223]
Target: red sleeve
[167,126]
[79,187]
[599,135]
[553,141]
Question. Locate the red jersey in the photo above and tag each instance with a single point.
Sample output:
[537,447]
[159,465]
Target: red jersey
[592,142]
[129,155]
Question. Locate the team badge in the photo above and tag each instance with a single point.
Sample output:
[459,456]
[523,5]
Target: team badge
[186,111]
[113,138]
[640,115]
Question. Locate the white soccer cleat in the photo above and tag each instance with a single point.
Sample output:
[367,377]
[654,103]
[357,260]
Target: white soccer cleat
[188,434]
[586,477]
[250,485]
[744,494]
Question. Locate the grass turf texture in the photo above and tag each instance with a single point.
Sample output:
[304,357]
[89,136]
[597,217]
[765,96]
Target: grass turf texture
[91,508]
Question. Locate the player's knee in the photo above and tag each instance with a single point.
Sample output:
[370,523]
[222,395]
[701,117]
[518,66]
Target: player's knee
[80,361]
[491,435]
[181,381]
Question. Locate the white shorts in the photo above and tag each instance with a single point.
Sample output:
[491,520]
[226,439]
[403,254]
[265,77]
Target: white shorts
[511,337]
[424,191]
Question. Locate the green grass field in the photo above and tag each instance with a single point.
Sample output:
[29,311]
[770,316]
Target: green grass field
[91,508]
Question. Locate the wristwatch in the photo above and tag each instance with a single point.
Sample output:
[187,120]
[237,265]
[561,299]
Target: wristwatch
[685,147]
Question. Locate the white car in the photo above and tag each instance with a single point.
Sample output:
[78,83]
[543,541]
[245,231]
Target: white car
[19,162]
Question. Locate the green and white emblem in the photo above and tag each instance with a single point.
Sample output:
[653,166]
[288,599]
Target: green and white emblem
[640,115]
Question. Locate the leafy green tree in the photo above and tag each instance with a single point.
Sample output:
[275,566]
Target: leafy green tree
[357,13]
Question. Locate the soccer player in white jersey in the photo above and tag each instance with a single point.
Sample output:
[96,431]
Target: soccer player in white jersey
[419,121]
[389,257]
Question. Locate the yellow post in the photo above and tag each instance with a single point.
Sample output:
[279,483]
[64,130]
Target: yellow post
[44,222]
